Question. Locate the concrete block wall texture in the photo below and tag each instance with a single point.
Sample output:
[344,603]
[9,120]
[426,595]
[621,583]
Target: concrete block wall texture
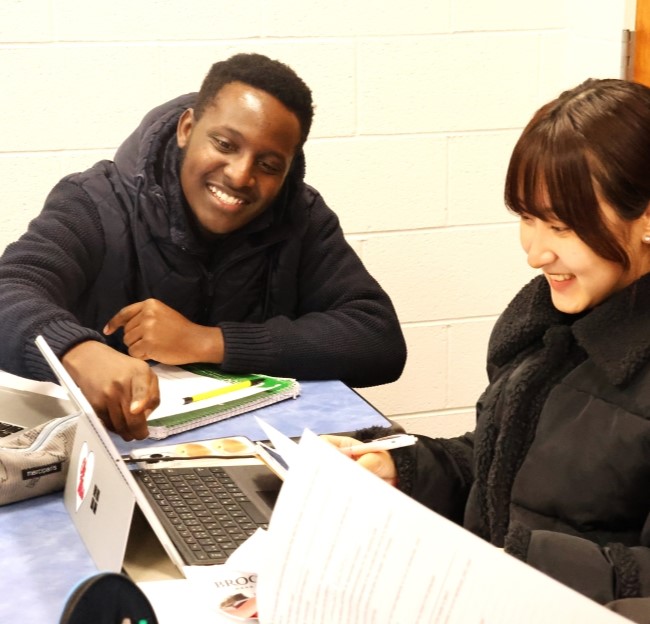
[418,106]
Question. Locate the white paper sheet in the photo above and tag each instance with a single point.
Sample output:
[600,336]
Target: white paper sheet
[346,547]
[47,388]
[198,598]
[175,383]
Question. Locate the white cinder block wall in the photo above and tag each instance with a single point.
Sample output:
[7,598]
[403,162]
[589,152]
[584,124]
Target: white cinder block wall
[418,106]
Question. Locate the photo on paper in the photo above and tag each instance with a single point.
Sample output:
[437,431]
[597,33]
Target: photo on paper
[240,607]
[235,446]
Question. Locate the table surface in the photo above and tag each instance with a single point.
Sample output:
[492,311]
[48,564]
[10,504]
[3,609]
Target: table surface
[43,557]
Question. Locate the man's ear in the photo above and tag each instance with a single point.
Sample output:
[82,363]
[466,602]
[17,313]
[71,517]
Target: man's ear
[297,169]
[184,127]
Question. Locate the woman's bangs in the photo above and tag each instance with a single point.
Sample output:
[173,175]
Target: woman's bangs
[551,180]
[570,187]
[525,191]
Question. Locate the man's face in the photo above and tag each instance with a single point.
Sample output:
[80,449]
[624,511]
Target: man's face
[236,156]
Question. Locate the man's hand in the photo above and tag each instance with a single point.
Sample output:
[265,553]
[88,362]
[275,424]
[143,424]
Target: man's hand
[154,331]
[122,390]
[377,462]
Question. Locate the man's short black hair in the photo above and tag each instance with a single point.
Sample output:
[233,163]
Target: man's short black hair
[263,73]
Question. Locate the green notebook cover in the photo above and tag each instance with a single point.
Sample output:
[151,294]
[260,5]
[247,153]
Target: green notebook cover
[274,389]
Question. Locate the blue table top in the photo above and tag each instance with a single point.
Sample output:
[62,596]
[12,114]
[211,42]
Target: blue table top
[42,556]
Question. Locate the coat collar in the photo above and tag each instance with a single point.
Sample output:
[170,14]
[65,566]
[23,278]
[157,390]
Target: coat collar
[615,334]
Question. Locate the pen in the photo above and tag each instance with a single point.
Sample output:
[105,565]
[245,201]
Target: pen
[240,385]
[388,443]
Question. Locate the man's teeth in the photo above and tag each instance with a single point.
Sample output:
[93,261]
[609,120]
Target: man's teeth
[560,278]
[224,197]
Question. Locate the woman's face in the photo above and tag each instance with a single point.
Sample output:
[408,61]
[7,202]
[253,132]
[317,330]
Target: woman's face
[579,278]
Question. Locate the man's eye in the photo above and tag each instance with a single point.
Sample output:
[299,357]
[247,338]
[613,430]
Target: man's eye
[560,228]
[222,144]
[270,168]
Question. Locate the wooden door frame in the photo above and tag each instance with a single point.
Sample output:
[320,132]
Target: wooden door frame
[641,66]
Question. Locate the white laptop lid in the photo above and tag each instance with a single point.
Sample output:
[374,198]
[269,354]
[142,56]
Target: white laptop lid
[100,494]
[26,403]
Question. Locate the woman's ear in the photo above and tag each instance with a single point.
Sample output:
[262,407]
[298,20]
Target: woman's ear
[645,218]
[184,127]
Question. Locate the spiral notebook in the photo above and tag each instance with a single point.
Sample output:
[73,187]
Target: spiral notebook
[200,394]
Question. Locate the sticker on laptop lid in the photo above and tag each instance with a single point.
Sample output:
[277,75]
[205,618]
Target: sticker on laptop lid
[85,468]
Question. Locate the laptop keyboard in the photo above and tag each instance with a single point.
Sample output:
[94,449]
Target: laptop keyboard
[7,429]
[204,512]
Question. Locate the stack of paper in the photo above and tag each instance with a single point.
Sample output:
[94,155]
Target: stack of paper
[343,546]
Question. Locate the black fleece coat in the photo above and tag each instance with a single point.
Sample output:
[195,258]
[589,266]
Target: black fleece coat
[290,295]
[558,468]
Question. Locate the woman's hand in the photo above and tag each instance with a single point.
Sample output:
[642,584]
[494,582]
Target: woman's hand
[378,462]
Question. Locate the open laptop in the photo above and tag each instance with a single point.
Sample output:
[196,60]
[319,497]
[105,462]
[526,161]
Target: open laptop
[120,523]
[24,404]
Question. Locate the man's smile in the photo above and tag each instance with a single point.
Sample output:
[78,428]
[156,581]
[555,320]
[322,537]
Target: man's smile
[224,197]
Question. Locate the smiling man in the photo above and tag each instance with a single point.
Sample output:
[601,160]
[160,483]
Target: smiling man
[236,156]
[199,242]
